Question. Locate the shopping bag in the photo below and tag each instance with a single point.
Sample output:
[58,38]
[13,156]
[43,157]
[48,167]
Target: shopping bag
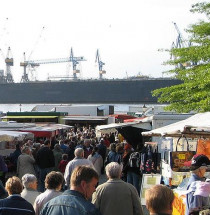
[178,158]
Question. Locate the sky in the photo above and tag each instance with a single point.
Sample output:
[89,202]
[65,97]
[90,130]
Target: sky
[128,35]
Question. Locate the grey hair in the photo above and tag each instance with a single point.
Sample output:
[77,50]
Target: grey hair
[28,179]
[113,170]
[25,149]
[79,152]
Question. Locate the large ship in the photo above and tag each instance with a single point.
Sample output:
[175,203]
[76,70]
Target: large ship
[121,91]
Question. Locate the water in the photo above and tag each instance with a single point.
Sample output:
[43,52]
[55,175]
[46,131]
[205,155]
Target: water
[28,107]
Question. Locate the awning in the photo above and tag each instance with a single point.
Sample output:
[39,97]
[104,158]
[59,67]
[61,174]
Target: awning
[41,131]
[29,117]
[195,126]
[122,116]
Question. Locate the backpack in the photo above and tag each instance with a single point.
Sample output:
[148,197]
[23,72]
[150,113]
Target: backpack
[134,160]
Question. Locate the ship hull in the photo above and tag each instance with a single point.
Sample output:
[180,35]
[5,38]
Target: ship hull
[80,91]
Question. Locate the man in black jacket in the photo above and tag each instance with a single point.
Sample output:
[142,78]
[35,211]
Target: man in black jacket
[46,162]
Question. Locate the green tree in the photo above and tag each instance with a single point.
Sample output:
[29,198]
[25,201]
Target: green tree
[192,67]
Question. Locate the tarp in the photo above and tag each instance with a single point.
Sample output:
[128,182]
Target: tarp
[49,130]
[113,126]
[131,131]
[197,125]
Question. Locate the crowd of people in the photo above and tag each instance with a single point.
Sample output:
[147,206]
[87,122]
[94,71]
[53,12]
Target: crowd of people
[61,176]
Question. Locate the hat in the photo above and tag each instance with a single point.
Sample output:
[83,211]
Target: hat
[198,161]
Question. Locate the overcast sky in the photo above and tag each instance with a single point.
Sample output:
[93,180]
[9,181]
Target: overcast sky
[127,33]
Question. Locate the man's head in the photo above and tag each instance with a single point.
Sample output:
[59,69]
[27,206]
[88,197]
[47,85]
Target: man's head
[54,180]
[14,185]
[47,143]
[159,199]
[79,153]
[113,170]
[84,180]
[87,142]
[29,181]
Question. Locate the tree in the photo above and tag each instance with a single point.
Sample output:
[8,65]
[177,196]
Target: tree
[192,67]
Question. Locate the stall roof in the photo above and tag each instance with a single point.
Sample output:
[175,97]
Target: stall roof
[89,118]
[197,125]
[12,135]
[14,125]
[58,126]
[112,127]
[29,117]
[48,130]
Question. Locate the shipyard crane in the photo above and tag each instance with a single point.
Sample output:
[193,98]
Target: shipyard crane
[36,63]
[9,62]
[180,43]
[100,65]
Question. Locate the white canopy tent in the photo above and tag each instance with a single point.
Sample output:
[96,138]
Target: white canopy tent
[194,126]
[14,135]
[11,126]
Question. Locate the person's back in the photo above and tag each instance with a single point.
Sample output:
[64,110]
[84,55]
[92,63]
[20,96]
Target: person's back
[116,196]
[15,204]
[53,184]
[45,158]
[79,160]
[70,202]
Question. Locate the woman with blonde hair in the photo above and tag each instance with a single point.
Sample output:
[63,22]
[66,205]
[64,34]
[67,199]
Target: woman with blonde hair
[15,204]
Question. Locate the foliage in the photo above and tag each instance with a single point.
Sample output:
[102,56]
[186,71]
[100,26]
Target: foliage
[192,67]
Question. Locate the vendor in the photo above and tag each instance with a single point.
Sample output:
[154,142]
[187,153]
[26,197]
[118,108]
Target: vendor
[198,166]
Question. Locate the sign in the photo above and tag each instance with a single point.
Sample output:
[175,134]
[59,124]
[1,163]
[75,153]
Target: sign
[148,180]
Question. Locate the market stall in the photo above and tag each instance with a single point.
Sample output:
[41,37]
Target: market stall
[8,139]
[40,131]
[179,142]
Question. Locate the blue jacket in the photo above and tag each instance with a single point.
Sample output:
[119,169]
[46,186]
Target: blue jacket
[17,205]
[69,203]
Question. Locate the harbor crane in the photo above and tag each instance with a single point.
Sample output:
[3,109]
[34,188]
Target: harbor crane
[100,65]
[180,43]
[36,63]
[9,62]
